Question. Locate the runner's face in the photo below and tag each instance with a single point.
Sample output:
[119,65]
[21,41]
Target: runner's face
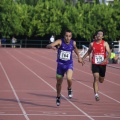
[99,35]
[68,36]
[95,38]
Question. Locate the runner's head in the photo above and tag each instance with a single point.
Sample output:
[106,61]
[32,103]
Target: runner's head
[67,36]
[100,35]
[94,37]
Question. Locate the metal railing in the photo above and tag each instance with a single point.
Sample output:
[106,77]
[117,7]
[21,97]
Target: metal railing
[25,43]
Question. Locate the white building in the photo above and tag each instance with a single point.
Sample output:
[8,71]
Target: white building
[100,1]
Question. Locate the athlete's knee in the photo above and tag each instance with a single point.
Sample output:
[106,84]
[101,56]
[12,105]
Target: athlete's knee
[69,79]
[96,79]
[58,84]
[59,77]
[101,79]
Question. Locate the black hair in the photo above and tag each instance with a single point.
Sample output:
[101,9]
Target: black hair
[94,35]
[67,31]
[100,31]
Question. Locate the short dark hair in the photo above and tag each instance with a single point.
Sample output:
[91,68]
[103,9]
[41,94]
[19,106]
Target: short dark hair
[67,31]
[94,35]
[100,31]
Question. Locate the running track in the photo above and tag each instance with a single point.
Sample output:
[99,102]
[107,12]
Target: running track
[27,89]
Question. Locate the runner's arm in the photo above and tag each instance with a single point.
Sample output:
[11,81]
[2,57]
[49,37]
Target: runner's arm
[77,53]
[89,51]
[76,50]
[108,51]
[54,44]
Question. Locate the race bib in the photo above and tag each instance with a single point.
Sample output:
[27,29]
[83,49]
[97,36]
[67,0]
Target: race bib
[65,55]
[99,59]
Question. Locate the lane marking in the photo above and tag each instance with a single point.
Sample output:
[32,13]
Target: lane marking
[114,67]
[73,78]
[99,92]
[50,85]
[105,78]
[74,68]
[106,116]
[15,94]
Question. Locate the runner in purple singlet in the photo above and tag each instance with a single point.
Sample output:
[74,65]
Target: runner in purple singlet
[64,62]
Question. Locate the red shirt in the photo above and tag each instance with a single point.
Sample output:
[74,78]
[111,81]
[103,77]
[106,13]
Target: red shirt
[98,53]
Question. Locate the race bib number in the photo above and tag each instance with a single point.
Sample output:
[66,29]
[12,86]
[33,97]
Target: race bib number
[99,59]
[65,55]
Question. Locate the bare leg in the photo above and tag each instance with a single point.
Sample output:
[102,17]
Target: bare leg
[95,83]
[59,86]
[69,81]
[101,79]
[69,78]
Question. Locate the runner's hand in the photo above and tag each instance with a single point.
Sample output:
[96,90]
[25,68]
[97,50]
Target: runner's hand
[54,48]
[104,61]
[80,60]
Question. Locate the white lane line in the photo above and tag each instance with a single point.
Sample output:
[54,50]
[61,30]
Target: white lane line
[114,67]
[50,85]
[75,61]
[91,75]
[15,94]
[73,78]
[106,116]
[74,68]
[99,92]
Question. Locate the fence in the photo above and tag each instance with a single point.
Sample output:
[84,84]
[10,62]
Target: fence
[116,46]
[25,43]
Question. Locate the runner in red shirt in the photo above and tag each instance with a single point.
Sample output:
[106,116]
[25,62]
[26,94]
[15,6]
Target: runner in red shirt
[99,60]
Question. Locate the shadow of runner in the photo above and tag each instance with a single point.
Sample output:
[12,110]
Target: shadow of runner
[26,102]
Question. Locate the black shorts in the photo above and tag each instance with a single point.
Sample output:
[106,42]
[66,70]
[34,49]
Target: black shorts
[101,69]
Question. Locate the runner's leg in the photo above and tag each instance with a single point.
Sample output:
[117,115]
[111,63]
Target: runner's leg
[69,78]
[95,83]
[102,73]
[59,84]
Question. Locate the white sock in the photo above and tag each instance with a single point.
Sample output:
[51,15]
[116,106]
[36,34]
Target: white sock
[96,94]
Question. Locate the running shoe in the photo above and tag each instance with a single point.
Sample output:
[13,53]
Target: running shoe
[70,93]
[57,101]
[97,97]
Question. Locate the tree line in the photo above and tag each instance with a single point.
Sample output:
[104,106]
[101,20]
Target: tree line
[36,18]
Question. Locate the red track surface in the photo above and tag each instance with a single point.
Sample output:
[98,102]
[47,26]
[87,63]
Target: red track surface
[27,89]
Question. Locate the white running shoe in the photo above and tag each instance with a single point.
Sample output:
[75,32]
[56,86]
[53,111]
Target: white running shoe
[58,101]
[97,97]
[70,95]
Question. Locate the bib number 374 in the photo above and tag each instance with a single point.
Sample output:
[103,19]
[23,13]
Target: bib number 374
[99,59]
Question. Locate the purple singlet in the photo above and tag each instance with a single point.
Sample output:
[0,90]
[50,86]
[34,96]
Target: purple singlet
[64,57]
[65,52]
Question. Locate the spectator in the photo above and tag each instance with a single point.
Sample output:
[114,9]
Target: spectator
[52,39]
[14,40]
[3,41]
[113,58]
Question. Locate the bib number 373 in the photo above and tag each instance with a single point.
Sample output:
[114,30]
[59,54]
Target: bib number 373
[99,59]
[65,55]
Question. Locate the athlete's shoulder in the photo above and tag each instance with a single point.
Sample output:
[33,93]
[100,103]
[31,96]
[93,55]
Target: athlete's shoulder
[91,44]
[105,42]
